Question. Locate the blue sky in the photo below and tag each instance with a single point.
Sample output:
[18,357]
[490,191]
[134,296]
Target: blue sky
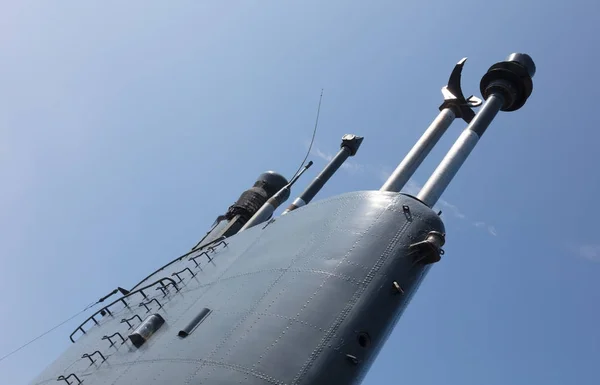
[127,127]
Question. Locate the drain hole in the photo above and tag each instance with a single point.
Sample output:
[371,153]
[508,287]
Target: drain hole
[364,340]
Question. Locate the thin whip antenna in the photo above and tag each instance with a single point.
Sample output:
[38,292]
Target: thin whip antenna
[313,135]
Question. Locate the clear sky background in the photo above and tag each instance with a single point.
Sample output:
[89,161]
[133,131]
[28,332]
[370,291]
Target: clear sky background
[126,127]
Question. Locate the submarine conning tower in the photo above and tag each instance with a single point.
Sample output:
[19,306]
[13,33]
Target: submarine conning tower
[308,298]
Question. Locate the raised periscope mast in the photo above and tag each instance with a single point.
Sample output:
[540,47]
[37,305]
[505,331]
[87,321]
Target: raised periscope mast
[307,298]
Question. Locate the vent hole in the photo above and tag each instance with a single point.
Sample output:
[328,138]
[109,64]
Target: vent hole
[364,340]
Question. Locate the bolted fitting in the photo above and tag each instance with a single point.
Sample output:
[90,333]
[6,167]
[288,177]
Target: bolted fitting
[351,142]
[430,250]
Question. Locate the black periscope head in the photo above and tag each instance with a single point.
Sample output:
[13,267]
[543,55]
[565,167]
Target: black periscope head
[251,200]
[271,182]
[524,60]
[511,79]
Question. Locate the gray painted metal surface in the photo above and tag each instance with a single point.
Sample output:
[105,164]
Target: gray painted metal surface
[307,299]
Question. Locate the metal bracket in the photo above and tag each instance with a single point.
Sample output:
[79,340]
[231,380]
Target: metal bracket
[195,263]
[397,288]
[179,272]
[66,379]
[430,250]
[111,336]
[352,359]
[145,304]
[130,319]
[93,354]
[454,98]
[407,212]
[198,256]
[170,282]
[163,289]
[213,247]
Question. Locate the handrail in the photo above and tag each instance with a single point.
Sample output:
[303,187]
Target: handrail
[180,272]
[220,240]
[122,299]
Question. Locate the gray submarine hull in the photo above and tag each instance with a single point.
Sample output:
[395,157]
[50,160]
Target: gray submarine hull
[309,298]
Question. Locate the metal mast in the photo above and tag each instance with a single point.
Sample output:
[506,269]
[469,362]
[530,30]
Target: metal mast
[505,87]
[455,105]
[349,147]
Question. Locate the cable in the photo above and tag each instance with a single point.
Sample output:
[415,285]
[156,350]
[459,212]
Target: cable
[313,136]
[46,332]
[118,289]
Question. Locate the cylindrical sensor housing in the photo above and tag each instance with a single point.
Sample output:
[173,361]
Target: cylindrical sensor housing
[194,323]
[146,329]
